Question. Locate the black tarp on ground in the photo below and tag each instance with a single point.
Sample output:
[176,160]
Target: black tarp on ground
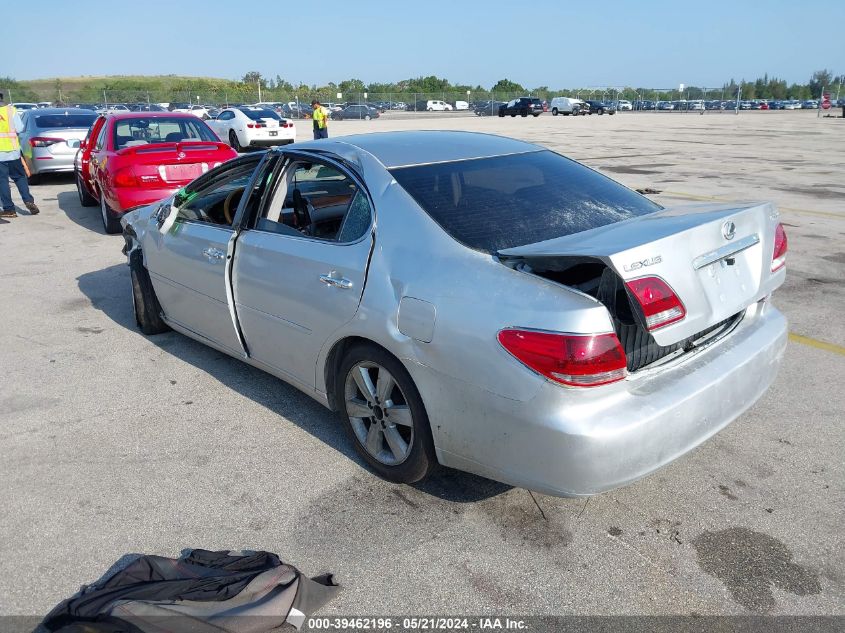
[247,592]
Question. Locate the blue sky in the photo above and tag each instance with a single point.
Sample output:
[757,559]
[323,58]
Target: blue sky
[648,43]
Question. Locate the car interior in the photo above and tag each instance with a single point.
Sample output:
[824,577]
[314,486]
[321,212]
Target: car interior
[309,199]
[133,132]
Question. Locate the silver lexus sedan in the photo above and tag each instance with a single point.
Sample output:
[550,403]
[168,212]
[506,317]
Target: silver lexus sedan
[473,301]
[50,138]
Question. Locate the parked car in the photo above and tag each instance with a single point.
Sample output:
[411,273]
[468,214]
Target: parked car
[461,105]
[200,111]
[146,107]
[51,137]
[523,106]
[251,126]
[180,107]
[356,112]
[613,334]
[810,104]
[624,105]
[22,106]
[598,107]
[132,159]
[487,108]
[566,106]
[665,105]
[435,105]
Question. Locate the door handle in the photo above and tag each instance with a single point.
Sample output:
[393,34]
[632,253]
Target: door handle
[336,282]
[213,253]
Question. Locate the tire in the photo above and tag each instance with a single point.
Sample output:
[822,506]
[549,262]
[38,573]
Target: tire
[601,112]
[554,111]
[402,452]
[536,114]
[85,198]
[513,114]
[367,118]
[234,142]
[111,224]
[501,114]
[144,300]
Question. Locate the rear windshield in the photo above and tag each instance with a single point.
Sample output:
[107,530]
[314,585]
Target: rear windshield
[140,131]
[491,204]
[51,121]
[261,114]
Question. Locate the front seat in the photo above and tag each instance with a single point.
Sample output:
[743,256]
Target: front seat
[302,212]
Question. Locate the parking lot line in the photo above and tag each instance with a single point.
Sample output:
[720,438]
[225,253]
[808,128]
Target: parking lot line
[823,214]
[806,340]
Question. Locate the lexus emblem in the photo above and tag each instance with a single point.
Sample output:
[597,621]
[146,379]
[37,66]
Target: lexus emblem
[729,230]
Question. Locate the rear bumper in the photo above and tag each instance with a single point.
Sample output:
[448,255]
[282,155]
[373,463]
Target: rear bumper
[129,198]
[270,142]
[570,442]
[44,163]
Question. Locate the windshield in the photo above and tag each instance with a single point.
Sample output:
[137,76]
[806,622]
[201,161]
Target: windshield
[491,204]
[140,131]
[261,114]
[52,121]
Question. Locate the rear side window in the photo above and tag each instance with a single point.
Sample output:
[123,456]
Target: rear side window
[53,121]
[491,204]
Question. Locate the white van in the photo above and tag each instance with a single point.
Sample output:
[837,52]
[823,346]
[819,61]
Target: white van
[434,105]
[565,105]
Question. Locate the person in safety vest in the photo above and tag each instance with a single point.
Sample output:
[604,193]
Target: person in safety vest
[10,163]
[321,120]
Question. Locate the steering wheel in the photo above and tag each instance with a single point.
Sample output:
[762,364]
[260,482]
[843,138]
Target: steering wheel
[227,205]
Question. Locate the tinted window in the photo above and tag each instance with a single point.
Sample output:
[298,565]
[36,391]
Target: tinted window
[496,203]
[261,114]
[128,132]
[65,120]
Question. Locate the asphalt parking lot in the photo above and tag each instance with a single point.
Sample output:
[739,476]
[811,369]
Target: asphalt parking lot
[116,443]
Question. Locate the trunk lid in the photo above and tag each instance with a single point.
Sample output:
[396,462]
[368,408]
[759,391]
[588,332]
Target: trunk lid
[716,257]
[166,164]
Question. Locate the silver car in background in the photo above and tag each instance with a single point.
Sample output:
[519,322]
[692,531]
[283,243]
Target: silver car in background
[473,301]
[50,138]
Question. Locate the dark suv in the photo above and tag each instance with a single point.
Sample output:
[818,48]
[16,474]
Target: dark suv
[599,107]
[522,106]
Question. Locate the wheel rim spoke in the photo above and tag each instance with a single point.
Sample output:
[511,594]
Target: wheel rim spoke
[365,384]
[398,446]
[401,415]
[374,441]
[384,385]
[356,408]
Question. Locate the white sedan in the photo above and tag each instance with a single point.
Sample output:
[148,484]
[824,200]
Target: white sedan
[251,126]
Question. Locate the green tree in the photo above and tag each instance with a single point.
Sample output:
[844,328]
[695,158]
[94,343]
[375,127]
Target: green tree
[254,77]
[506,85]
[820,79]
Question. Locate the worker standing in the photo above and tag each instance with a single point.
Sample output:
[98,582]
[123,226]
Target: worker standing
[320,116]
[10,163]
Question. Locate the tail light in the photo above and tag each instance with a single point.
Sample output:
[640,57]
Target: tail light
[578,360]
[659,302]
[779,253]
[252,125]
[44,141]
[125,178]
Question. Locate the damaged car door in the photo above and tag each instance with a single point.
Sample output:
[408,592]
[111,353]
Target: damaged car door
[301,262]
[187,256]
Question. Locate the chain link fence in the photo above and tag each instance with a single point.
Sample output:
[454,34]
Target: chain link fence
[467,102]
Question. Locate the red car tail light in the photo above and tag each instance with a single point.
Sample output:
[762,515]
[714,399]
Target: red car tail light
[659,302]
[44,141]
[578,360]
[125,178]
[779,253]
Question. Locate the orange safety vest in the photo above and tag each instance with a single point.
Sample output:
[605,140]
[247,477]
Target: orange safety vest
[8,136]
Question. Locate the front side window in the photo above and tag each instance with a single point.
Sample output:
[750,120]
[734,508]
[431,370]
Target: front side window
[316,200]
[214,200]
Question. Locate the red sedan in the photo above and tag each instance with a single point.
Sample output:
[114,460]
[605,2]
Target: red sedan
[137,158]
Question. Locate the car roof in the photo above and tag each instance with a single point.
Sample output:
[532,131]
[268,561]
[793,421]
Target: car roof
[419,147]
[149,115]
[41,111]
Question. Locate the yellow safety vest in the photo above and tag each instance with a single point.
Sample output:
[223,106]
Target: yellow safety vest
[8,136]
[319,117]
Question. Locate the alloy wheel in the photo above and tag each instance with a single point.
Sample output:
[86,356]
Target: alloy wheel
[379,413]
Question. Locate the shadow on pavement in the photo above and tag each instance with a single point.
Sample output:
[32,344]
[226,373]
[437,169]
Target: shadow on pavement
[108,291]
[87,217]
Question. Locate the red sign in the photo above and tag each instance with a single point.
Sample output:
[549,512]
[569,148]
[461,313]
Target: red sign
[826,103]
